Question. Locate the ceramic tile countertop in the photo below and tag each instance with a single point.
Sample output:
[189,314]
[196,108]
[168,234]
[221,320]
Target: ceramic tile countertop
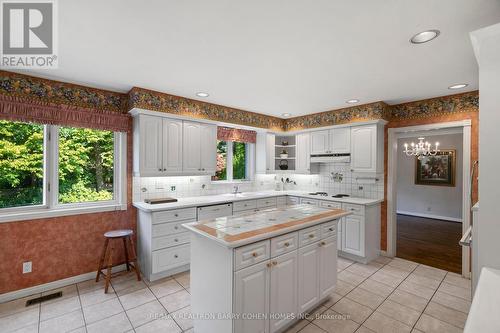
[228,197]
[243,229]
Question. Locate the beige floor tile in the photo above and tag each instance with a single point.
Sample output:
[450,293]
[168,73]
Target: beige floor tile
[451,301]
[332,299]
[416,289]
[334,322]
[386,278]
[67,292]
[136,298]
[379,323]
[441,312]
[415,302]
[164,325]
[394,271]
[315,313]
[297,326]
[383,260]
[457,280]
[344,261]
[183,318]
[363,329]
[455,291]
[17,305]
[311,328]
[56,309]
[353,310]
[184,279]
[102,310]
[423,281]
[351,278]
[430,272]
[165,288]
[191,330]
[343,288]
[18,320]
[430,324]
[115,323]
[90,285]
[365,297]
[403,264]
[399,312]
[127,284]
[145,313]
[65,323]
[377,287]
[92,297]
[33,328]
[362,270]
[176,301]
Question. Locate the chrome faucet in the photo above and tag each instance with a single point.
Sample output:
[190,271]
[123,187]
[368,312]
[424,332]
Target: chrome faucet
[236,189]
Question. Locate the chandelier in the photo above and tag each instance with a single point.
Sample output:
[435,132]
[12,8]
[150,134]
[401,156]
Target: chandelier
[421,149]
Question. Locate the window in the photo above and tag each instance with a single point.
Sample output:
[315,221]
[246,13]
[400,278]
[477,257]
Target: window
[233,161]
[49,169]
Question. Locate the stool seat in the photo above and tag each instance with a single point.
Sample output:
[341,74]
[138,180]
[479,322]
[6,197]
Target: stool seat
[118,233]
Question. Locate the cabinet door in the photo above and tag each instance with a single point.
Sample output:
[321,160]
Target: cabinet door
[308,277]
[364,148]
[353,233]
[251,296]
[270,143]
[283,289]
[302,152]
[328,266]
[191,150]
[320,142]
[150,162]
[339,234]
[208,144]
[172,146]
[340,140]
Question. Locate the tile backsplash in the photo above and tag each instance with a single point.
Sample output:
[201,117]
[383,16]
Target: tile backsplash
[332,178]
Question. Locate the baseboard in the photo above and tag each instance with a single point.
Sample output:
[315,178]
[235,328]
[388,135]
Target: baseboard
[12,295]
[431,216]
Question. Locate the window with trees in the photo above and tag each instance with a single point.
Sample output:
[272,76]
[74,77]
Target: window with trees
[233,162]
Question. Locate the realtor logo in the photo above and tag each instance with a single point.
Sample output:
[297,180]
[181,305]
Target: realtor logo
[28,34]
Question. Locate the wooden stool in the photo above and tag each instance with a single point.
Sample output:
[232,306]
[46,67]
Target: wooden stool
[114,235]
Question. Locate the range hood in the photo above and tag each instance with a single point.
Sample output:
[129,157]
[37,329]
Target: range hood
[331,158]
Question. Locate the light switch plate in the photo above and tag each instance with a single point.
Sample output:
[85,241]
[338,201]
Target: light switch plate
[27,266]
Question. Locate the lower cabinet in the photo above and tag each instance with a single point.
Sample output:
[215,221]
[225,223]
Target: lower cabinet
[353,233]
[284,291]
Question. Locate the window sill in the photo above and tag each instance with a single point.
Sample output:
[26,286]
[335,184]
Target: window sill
[58,212]
[230,182]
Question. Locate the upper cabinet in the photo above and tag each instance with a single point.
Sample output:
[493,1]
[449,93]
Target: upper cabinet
[172,145]
[200,148]
[303,154]
[337,140]
[367,148]
[148,145]
[269,149]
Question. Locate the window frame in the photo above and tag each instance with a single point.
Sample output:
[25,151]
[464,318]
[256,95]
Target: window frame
[250,164]
[51,206]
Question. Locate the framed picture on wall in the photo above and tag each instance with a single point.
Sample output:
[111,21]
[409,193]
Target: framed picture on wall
[436,170]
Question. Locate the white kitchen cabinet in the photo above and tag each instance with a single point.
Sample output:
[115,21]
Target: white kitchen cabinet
[353,233]
[303,153]
[320,142]
[340,140]
[328,272]
[251,295]
[308,277]
[199,148]
[172,145]
[367,148]
[270,146]
[149,138]
[208,146]
[284,292]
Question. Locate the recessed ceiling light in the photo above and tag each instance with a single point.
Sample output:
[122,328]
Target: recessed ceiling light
[424,36]
[285,114]
[202,94]
[458,86]
[352,101]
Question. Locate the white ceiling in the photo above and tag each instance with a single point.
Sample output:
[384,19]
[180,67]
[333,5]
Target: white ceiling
[272,56]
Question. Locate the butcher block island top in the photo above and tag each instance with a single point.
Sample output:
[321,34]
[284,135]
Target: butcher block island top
[239,230]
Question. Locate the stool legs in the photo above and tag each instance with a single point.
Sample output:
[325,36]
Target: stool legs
[101,260]
[108,273]
[126,254]
[136,267]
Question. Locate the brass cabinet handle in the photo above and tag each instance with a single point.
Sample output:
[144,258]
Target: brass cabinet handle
[275,263]
[176,256]
[269,265]
[176,227]
[254,254]
[311,236]
[323,243]
[176,240]
[331,229]
[286,244]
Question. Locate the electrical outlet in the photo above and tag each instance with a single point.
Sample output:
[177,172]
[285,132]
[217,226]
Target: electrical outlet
[27,267]
[172,188]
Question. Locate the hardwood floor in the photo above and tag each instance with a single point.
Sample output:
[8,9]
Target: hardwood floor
[430,242]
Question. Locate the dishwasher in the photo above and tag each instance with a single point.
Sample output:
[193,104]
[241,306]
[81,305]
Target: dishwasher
[211,212]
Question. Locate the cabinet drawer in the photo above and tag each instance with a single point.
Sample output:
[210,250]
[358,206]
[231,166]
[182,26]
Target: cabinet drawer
[244,205]
[251,254]
[281,201]
[306,201]
[170,258]
[331,205]
[355,209]
[309,235]
[212,212]
[284,244]
[164,229]
[292,201]
[329,229]
[170,240]
[267,202]
[174,215]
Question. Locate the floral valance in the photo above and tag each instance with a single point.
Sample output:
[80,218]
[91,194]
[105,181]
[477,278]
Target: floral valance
[17,109]
[235,134]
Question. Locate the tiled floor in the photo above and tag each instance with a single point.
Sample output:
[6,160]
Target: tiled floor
[383,296]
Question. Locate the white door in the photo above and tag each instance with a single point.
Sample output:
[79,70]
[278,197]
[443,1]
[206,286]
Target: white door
[308,276]
[303,154]
[320,142]
[251,296]
[270,143]
[328,266]
[208,144]
[364,148]
[150,163]
[353,233]
[191,150]
[340,140]
[172,146]
[283,289]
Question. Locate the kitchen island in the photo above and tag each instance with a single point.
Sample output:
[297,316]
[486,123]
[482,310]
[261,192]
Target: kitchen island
[258,272]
